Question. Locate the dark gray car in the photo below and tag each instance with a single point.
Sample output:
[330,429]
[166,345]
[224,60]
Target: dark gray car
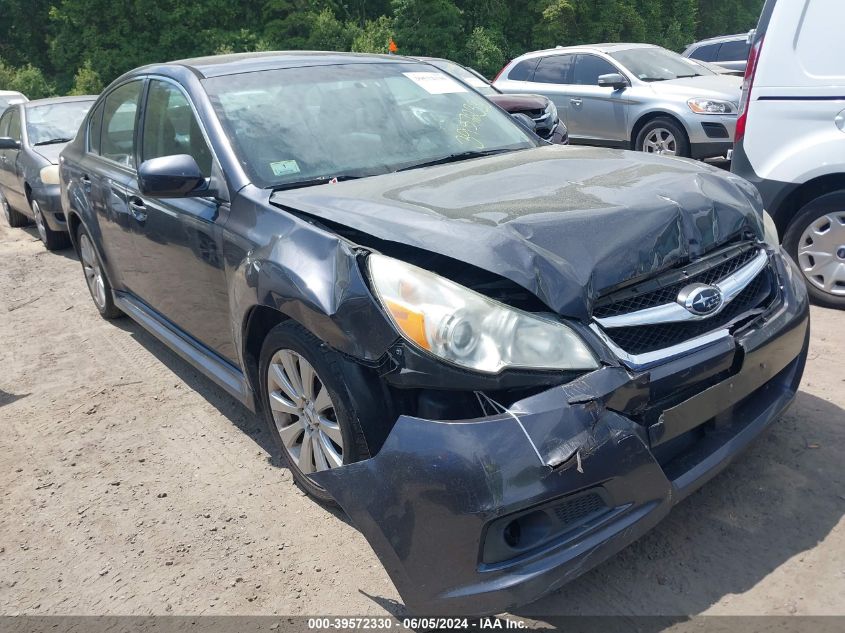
[32,134]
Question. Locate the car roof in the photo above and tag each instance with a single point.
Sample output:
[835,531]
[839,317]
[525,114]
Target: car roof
[601,48]
[52,100]
[221,65]
[721,38]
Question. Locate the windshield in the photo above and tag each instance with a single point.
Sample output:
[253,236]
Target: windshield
[301,124]
[466,75]
[55,122]
[658,64]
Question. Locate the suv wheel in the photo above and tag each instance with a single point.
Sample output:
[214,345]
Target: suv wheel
[816,241]
[53,240]
[95,277]
[663,136]
[14,218]
[309,405]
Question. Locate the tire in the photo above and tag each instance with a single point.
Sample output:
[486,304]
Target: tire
[53,240]
[14,218]
[667,131]
[95,277]
[815,239]
[333,412]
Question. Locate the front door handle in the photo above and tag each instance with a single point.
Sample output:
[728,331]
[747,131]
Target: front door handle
[575,101]
[138,209]
[86,184]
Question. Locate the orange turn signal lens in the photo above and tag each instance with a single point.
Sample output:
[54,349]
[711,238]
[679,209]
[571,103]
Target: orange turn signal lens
[410,321]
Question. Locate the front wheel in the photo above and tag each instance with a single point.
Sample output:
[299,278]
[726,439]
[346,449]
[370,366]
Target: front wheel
[815,239]
[309,405]
[664,137]
[53,240]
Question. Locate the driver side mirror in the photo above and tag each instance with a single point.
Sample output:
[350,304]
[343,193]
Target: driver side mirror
[9,143]
[525,121]
[176,176]
[613,80]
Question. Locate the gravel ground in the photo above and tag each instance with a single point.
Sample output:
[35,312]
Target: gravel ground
[129,484]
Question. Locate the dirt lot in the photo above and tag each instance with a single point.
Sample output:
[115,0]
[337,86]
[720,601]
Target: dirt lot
[129,484]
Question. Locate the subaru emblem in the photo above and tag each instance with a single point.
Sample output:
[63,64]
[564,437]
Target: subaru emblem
[701,299]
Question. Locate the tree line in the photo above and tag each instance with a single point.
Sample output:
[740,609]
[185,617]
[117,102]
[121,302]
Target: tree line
[52,47]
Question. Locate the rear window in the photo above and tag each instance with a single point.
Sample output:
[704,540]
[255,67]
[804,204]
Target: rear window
[555,69]
[523,71]
[735,51]
[706,53]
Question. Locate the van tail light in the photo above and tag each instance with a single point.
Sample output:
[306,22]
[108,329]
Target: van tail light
[747,85]
[499,74]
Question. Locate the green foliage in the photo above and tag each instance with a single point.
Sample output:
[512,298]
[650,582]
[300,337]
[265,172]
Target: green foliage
[28,79]
[87,81]
[80,44]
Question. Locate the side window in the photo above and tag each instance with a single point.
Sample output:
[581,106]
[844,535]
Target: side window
[15,125]
[589,67]
[733,51]
[95,127]
[170,127]
[117,140]
[706,53]
[554,70]
[4,123]
[523,71]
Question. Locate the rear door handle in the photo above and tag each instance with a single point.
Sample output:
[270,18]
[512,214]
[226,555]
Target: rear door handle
[575,101]
[138,209]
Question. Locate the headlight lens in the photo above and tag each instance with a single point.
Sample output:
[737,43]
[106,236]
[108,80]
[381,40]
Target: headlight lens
[770,231]
[711,106]
[551,110]
[50,175]
[468,329]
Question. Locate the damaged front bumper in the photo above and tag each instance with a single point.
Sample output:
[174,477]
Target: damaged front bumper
[478,516]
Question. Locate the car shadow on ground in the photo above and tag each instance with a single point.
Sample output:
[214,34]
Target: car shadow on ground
[778,499]
[251,424]
[68,253]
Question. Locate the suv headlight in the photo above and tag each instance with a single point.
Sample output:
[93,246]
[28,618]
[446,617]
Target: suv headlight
[711,106]
[770,231]
[468,329]
[551,111]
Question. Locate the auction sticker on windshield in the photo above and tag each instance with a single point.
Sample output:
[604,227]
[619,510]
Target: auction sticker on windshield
[435,83]
[284,167]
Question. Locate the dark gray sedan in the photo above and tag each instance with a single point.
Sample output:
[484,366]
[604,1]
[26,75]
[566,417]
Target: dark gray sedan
[32,134]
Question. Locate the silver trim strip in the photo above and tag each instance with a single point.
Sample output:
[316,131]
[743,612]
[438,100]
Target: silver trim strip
[674,312]
[647,359]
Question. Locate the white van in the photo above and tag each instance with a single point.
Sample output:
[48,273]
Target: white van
[790,135]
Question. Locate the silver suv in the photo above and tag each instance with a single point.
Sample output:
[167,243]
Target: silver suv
[728,51]
[635,96]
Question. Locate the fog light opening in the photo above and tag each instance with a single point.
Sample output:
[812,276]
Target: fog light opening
[512,534]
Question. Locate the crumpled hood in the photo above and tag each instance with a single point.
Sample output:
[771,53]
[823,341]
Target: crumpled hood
[563,222]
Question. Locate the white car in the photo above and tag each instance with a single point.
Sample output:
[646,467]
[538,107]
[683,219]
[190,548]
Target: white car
[791,135]
[10,97]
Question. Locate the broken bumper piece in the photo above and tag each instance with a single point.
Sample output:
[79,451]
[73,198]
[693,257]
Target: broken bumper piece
[478,516]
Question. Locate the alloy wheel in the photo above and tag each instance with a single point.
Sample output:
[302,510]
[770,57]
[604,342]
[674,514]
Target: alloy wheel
[39,221]
[93,272]
[821,253]
[660,141]
[7,210]
[304,413]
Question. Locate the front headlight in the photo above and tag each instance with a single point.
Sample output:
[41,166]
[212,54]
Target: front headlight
[711,106]
[468,329]
[551,110]
[770,231]
[50,175]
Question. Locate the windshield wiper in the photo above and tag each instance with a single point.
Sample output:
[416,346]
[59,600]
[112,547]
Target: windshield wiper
[454,158]
[688,76]
[52,141]
[313,182]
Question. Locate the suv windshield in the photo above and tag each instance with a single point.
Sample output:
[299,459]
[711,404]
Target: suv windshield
[658,64]
[55,122]
[298,125]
